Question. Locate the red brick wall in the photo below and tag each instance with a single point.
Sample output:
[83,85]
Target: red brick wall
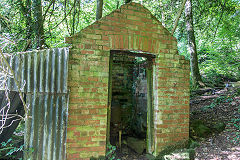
[132,27]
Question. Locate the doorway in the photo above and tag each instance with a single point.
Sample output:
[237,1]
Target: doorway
[130,114]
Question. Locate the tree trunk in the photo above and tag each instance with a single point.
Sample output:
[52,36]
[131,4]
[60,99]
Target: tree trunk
[74,14]
[28,19]
[26,11]
[196,77]
[99,9]
[37,24]
[178,16]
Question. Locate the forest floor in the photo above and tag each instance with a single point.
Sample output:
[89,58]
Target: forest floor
[222,106]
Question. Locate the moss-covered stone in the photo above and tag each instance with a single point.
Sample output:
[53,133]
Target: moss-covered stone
[199,128]
[219,127]
[136,144]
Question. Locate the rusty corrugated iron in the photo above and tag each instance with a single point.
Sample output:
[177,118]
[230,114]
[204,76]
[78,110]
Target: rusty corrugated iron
[43,78]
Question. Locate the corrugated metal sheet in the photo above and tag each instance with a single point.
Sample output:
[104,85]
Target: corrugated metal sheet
[43,78]
[45,134]
[40,71]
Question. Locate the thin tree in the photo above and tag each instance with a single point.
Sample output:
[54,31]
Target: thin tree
[26,11]
[38,24]
[178,16]
[196,77]
[74,14]
[99,9]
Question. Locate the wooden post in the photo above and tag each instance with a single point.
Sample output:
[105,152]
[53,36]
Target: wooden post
[109,96]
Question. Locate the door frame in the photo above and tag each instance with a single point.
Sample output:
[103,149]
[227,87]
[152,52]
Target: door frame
[150,136]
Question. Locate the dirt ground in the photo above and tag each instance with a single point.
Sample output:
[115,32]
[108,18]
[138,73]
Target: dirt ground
[219,106]
[226,144]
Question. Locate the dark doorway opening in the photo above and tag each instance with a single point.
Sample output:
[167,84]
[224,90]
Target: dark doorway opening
[130,101]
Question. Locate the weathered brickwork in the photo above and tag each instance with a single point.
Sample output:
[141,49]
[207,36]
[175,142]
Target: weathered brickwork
[132,27]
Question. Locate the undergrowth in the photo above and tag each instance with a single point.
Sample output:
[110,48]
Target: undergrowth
[13,148]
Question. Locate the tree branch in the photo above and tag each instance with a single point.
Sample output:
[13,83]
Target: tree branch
[7,39]
[15,80]
[66,21]
[74,14]
[23,8]
[45,14]
[178,16]
[223,7]
[99,9]
[6,19]
[63,19]
[27,45]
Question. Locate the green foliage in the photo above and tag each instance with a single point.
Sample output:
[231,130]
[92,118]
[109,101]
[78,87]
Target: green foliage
[217,67]
[236,124]
[218,40]
[218,101]
[192,144]
[211,106]
[14,147]
[199,128]
[217,33]
[237,93]
[218,127]
[9,149]
[110,155]
[111,152]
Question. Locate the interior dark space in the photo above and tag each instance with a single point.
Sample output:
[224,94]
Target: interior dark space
[128,124]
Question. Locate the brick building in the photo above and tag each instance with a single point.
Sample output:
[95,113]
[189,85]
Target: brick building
[133,32]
